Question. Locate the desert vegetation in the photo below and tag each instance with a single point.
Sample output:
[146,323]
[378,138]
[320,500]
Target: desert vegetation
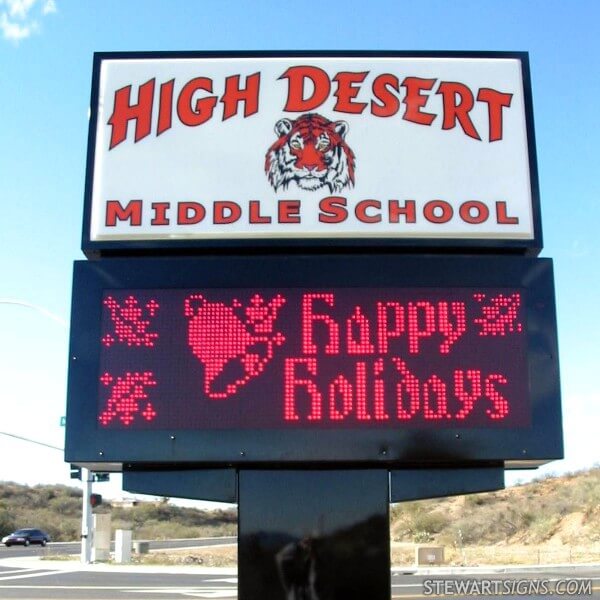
[552,519]
[57,510]
[564,510]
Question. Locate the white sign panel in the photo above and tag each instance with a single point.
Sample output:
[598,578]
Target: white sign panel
[327,147]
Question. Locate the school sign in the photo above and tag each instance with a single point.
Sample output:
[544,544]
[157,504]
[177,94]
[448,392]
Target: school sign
[197,150]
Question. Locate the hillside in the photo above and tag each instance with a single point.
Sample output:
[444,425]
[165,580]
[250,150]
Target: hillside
[558,511]
[57,509]
[561,510]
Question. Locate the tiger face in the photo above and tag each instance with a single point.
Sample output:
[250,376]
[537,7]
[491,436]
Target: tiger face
[310,151]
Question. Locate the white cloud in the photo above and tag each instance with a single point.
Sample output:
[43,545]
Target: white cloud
[19,18]
[14,31]
[19,8]
[49,7]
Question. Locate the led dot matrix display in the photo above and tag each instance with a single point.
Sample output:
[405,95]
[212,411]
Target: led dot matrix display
[273,358]
[230,361]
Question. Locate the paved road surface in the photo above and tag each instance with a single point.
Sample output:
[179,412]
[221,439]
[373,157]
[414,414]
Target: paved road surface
[75,547]
[22,578]
[41,584]
[45,584]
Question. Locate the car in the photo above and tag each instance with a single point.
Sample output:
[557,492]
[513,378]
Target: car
[26,537]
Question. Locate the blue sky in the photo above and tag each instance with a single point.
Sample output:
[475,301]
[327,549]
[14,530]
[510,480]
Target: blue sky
[46,49]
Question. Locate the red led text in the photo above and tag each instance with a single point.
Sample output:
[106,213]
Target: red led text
[370,393]
[321,357]
[415,322]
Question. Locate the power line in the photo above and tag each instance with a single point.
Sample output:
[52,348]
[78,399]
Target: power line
[19,437]
[40,309]
[57,319]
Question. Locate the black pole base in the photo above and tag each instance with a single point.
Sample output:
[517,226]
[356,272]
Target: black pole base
[314,535]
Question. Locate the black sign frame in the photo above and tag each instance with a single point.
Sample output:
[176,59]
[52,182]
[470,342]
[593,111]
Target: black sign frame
[162,247]
[86,444]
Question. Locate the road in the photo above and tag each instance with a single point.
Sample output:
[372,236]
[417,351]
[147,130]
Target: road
[75,547]
[45,584]
[67,581]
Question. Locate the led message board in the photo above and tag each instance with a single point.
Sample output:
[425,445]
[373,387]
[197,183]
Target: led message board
[334,357]
[289,368]
[191,150]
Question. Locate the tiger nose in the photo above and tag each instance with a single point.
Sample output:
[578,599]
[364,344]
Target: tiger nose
[311,167]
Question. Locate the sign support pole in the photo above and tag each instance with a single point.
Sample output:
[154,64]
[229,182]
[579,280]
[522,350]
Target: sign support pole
[314,535]
[87,528]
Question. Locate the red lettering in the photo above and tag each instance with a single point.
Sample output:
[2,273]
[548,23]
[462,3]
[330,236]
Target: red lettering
[202,111]
[255,216]
[347,90]
[458,102]
[359,344]
[408,211]
[234,95]
[166,107]
[502,217]
[123,112]
[421,312]
[344,387]
[414,398]
[290,385]
[309,318]
[361,392]
[361,211]
[132,212]
[225,212]
[379,392]
[482,212]
[384,331]
[190,213]
[429,211]
[332,210]
[496,101]
[296,76]
[434,386]
[500,403]
[288,211]
[451,331]
[390,104]
[415,100]
[408,385]
[160,213]
[466,398]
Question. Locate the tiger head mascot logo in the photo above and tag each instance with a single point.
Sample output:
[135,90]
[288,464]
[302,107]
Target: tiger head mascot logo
[310,151]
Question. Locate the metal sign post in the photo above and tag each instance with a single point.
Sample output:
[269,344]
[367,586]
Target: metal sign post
[314,535]
[87,522]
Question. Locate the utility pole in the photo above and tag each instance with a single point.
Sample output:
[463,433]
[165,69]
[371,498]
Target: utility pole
[87,527]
